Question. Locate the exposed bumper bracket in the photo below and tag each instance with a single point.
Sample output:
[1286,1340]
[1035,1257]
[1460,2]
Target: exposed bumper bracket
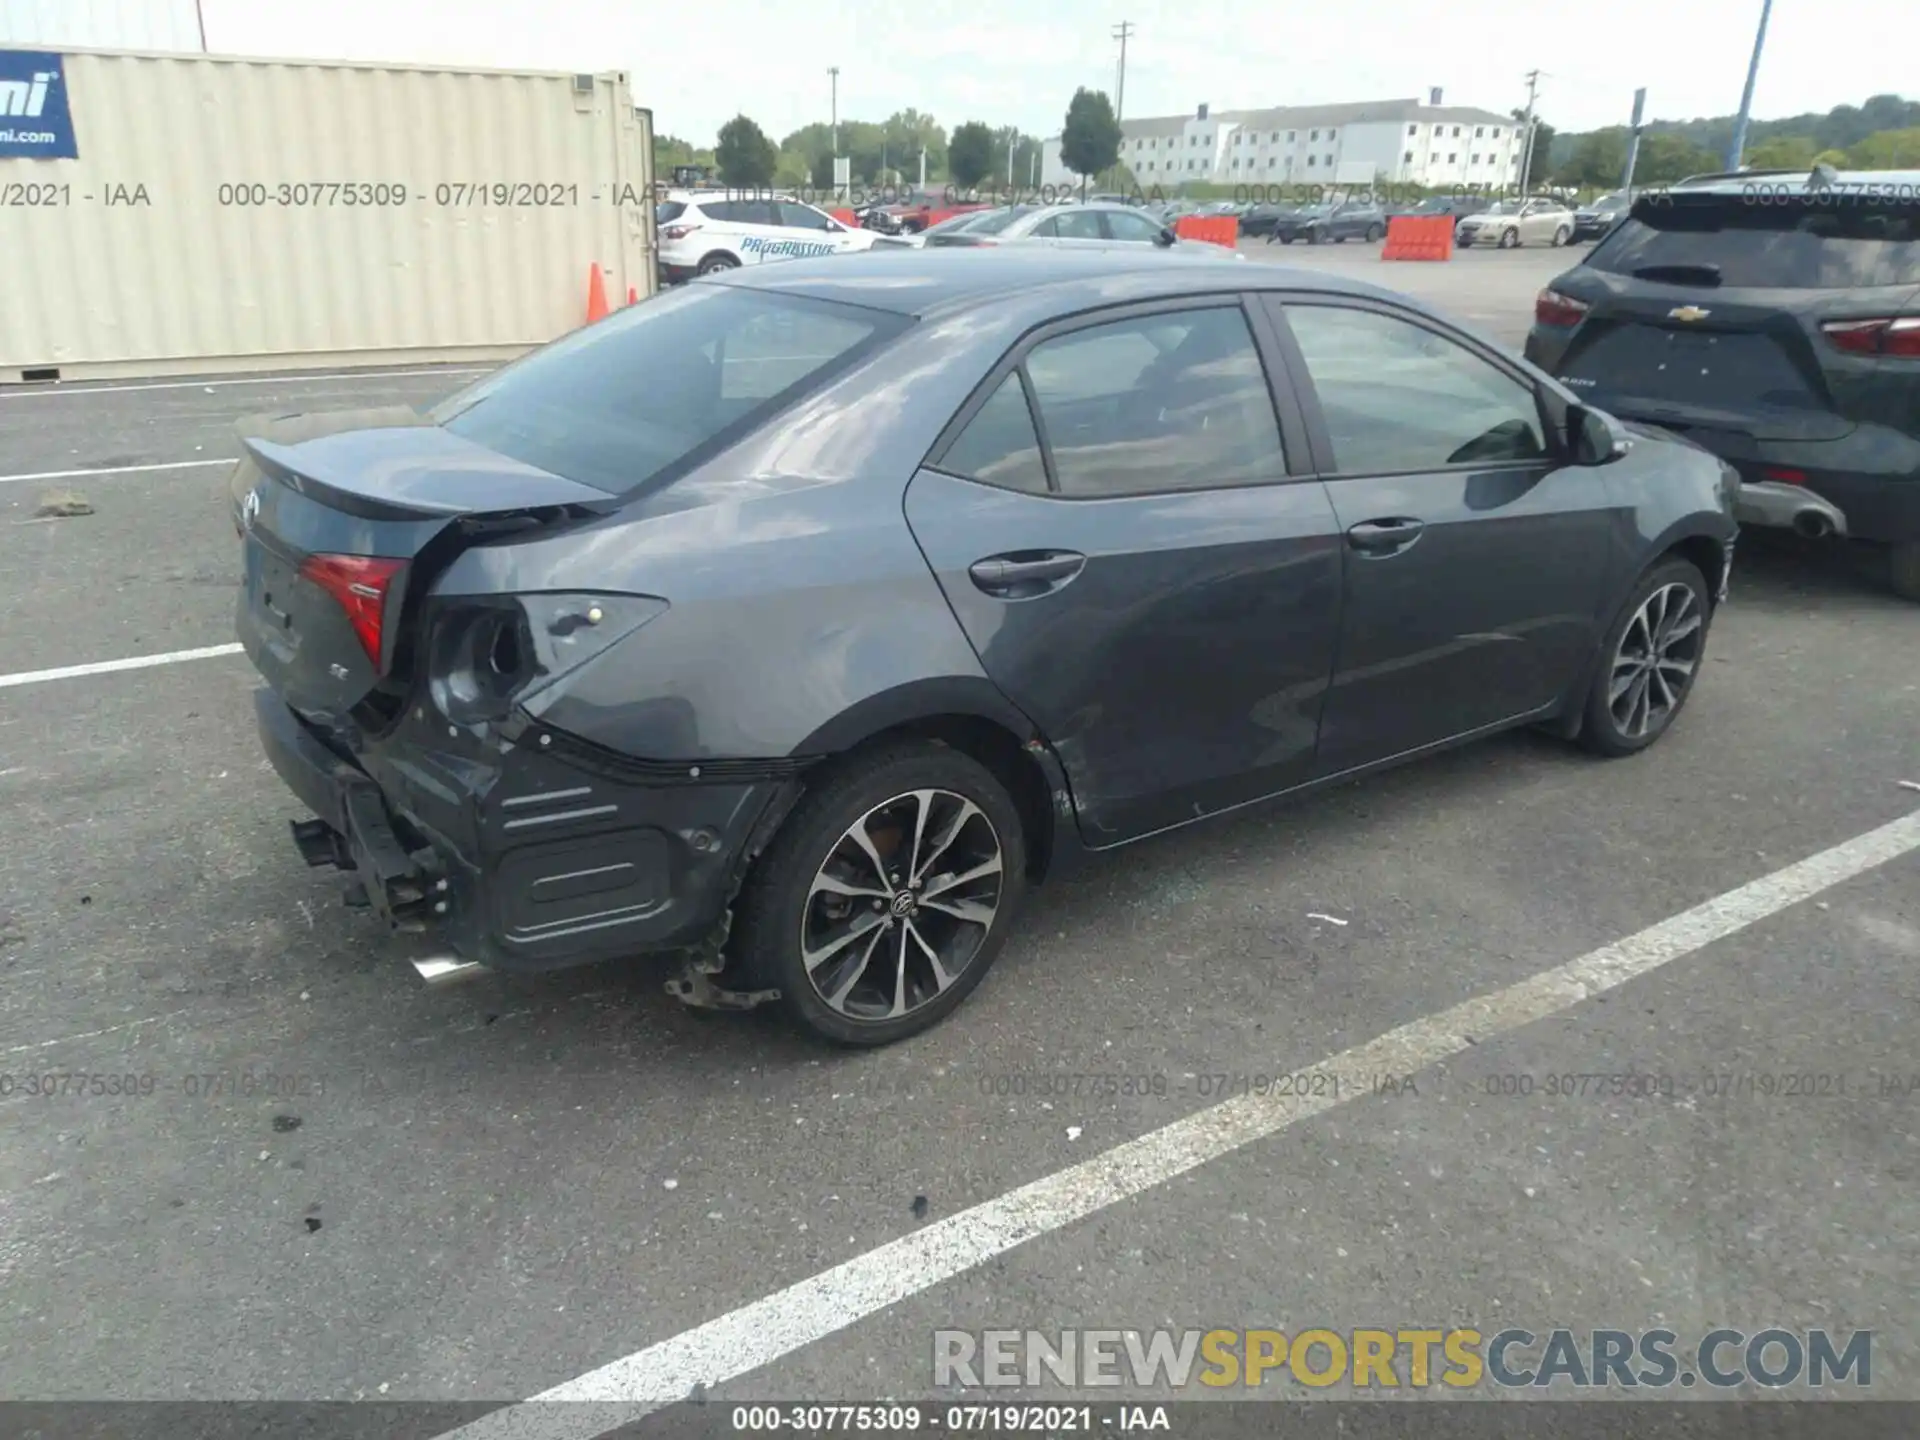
[694,987]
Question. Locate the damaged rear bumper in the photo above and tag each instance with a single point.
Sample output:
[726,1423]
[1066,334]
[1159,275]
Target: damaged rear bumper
[527,851]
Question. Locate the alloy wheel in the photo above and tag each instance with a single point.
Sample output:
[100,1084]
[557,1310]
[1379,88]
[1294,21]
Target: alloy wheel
[1655,662]
[901,905]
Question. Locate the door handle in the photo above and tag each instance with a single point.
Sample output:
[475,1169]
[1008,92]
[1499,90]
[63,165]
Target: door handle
[1377,537]
[1032,573]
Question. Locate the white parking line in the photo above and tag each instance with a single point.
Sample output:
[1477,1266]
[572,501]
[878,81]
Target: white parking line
[298,378]
[109,667]
[113,470]
[765,1330]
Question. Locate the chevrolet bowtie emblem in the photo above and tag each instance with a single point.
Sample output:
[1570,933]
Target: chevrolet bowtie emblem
[1688,312]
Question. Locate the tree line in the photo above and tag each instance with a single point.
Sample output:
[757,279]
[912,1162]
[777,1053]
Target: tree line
[1882,134]
[887,153]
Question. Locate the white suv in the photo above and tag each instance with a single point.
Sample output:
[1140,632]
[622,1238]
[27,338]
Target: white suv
[704,231]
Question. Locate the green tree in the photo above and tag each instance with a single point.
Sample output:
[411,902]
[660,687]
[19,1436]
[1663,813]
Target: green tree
[745,155]
[1597,161]
[1090,139]
[970,154]
[1666,158]
[1887,150]
[1782,152]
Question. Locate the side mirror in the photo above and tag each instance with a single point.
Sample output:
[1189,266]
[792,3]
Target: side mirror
[1166,236]
[1594,438]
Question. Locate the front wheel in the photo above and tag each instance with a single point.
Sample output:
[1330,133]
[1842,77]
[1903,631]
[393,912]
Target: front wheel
[886,895]
[1509,239]
[1650,661]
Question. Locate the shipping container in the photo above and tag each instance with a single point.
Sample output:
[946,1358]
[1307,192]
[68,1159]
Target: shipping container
[180,214]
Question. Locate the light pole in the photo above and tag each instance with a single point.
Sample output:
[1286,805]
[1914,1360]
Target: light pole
[1738,146]
[1121,32]
[833,71]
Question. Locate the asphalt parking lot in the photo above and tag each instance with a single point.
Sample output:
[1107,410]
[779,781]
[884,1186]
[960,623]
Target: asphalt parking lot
[345,1186]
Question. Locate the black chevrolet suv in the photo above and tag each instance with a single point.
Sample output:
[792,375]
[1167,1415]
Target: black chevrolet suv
[1776,321]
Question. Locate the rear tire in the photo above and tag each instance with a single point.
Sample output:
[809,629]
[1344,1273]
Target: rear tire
[1374,232]
[1650,660]
[797,894]
[1904,570]
[718,261]
[1561,237]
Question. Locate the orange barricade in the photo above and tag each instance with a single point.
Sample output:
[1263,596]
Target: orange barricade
[1214,229]
[845,217]
[1418,237]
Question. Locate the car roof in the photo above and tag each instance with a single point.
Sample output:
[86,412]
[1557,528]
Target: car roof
[1048,281]
[1842,182]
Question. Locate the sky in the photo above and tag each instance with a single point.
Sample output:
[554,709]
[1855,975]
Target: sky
[1018,62]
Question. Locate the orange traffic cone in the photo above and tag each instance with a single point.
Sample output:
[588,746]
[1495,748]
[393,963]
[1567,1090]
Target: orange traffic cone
[596,294]
[633,294]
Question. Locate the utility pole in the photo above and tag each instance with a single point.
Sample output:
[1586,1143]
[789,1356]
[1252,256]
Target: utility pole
[200,19]
[1013,139]
[834,72]
[1526,156]
[1121,32]
[1738,146]
[1633,140]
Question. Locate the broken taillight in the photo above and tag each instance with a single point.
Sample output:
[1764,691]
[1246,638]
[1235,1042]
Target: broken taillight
[1897,336]
[359,584]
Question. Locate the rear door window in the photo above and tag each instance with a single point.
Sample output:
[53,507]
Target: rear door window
[616,404]
[1849,242]
[1158,403]
[999,445]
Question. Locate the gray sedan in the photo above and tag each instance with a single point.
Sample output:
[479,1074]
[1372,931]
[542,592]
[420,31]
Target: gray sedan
[801,619]
[1072,224]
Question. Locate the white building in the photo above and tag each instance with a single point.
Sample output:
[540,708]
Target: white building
[1381,142]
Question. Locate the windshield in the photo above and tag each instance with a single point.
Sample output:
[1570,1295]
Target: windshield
[994,221]
[1838,244]
[1615,201]
[1502,207]
[616,404]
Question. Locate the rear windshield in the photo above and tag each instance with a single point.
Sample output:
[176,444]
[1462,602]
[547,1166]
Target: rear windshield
[1845,243]
[994,221]
[668,210]
[617,404]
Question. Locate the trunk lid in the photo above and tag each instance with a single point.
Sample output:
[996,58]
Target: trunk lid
[368,485]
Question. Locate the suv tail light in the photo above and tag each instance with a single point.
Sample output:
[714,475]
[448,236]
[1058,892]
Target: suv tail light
[1550,307]
[1897,335]
[359,584]
[677,232]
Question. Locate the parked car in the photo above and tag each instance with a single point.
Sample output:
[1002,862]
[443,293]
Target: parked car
[1592,221]
[1072,223]
[916,238]
[1455,207]
[1315,224]
[1777,328]
[1512,223]
[703,232]
[1260,219]
[763,621]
